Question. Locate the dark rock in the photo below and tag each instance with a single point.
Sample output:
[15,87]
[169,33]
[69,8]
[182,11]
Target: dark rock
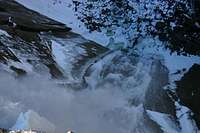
[25,26]
[188,90]
[6,54]
[27,20]
[30,40]
[25,30]
[19,71]
[156,93]
[55,71]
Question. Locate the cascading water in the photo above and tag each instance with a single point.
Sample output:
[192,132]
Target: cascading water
[121,94]
[128,76]
[112,102]
[100,90]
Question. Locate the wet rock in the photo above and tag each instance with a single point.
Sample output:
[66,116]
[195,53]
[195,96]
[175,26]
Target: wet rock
[188,90]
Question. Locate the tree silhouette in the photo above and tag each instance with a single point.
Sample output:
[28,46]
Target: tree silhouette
[140,18]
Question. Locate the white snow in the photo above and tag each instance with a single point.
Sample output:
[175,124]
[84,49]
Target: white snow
[58,52]
[186,123]
[166,124]
[32,120]
[65,53]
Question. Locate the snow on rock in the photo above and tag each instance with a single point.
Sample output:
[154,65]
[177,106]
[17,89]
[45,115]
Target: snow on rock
[186,123]
[163,120]
[63,12]
[64,53]
[32,120]
[174,63]
[58,52]
[24,66]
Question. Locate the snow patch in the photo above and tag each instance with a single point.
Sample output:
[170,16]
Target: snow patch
[164,121]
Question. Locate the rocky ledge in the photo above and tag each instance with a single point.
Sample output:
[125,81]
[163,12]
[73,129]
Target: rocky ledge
[29,40]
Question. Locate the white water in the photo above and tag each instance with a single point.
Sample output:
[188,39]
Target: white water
[112,102]
[103,107]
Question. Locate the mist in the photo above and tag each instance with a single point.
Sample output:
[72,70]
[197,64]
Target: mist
[86,111]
